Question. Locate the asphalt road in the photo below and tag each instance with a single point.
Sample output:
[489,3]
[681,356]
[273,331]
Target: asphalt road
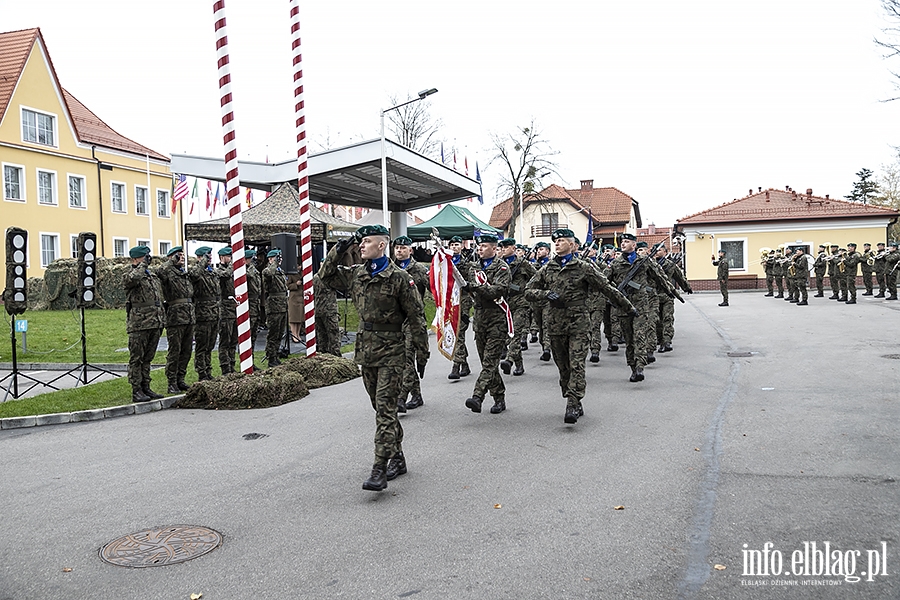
[796,443]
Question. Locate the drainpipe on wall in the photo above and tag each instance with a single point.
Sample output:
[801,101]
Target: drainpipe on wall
[100,190]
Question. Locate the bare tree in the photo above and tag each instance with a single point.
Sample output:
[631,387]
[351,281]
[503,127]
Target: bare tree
[889,192]
[414,126]
[524,157]
[891,42]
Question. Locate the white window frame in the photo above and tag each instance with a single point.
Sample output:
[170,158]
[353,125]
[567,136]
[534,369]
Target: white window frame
[744,241]
[112,207]
[22,190]
[70,176]
[55,237]
[73,243]
[124,246]
[54,189]
[146,212]
[54,118]
[164,251]
[168,203]
[141,242]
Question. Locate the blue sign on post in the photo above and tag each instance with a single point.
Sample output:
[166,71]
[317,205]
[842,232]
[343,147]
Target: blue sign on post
[21,325]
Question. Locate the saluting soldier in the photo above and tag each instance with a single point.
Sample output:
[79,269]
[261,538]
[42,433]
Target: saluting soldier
[565,283]
[665,329]
[228,337]
[867,269]
[419,274]
[460,366]
[206,309]
[891,260]
[722,275]
[488,283]
[254,289]
[145,320]
[180,319]
[385,297]
[820,266]
[520,273]
[851,268]
[275,288]
[634,323]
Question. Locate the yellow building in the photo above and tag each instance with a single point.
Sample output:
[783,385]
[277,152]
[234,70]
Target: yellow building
[65,171]
[771,219]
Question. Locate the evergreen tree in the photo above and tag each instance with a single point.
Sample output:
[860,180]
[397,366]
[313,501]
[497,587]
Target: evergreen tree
[865,189]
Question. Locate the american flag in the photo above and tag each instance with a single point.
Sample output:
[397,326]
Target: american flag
[180,192]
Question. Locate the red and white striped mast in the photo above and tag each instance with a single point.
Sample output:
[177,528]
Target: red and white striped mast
[303,185]
[232,190]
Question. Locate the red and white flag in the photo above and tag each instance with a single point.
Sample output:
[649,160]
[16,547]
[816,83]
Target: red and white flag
[446,291]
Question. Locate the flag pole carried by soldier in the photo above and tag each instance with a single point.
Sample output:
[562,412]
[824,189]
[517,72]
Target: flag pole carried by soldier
[385,297]
[566,283]
[145,319]
[460,352]
[178,294]
[410,387]
[206,310]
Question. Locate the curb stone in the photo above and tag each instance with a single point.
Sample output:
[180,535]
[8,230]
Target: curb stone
[137,408]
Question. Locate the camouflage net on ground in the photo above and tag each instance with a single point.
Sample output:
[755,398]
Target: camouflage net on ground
[270,387]
[56,290]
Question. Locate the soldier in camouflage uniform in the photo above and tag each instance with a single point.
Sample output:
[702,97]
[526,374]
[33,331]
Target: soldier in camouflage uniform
[328,322]
[385,297]
[419,274]
[488,283]
[634,325]
[460,352]
[596,303]
[206,310]
[851,267]
[520,273]
[820,266]
[833,275]
[879,269]
[275,288]
[145,320]
[566,283]
[790,280]
[611,329]
[665,328]
[722,275]
[778,272]
[866,268]
[254,288]
[653,299]
[539,309]
[891,260]
[801,276]
[178,295]
[769,267]
[228,338]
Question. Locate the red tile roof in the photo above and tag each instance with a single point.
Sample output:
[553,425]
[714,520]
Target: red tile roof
[608,206]
[15,46]
[781,205]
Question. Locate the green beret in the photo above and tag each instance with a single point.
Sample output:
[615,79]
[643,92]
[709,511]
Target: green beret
[456,239]
[628,236]
[893,244]
[273,252]
[851,244]
[226,251]
[542,245]
[642,244]
[402,240]
[139,252]
[175,250]
[562,233]
[249,253]
[608,247]
[507,242]
[487,238]
[367,230]
[867,244]
[202,250]
[880,244]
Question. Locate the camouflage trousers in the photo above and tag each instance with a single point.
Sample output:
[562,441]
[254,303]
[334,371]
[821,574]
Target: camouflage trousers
[634,330]
[611,328]
[723,287]
[770,284]
[792,286]
[890,281]
[276,323]
[141,349]
[228,340]
[383,386]
[180,339]
[539,324]
[521,317]
[410,381]
[834,281]
[867,278]
[882,282]
[842,284]
[800,285]
[652,322]
[596,330]
[254,329]
[460,352]
[850,285]
[569,353]
[779,281]
[820,284]
[665,325]
[328,333]
[205,334]
[491,338]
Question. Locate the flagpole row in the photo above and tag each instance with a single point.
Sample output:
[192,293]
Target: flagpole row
[303,185]
[232,190]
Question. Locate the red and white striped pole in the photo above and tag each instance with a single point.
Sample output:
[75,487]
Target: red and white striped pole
[303,185]
[232,190]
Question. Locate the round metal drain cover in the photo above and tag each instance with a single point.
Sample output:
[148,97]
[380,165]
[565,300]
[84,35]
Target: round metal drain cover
[161,546]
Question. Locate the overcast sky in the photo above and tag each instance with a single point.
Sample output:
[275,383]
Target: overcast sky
[682,105]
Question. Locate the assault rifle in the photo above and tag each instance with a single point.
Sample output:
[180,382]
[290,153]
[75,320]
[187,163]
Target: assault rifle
[636,266]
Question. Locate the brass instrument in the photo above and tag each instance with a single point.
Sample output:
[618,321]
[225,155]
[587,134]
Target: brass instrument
[870,259]
[764,253]
[792,269]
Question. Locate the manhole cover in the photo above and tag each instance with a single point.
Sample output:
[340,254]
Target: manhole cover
[739,354]
[894,356]
[161,546]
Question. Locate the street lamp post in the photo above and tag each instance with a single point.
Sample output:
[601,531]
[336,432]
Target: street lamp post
[384,189]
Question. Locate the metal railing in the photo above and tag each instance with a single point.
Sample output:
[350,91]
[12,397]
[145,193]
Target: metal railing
[546,230]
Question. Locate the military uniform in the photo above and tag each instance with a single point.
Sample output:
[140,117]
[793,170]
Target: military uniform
[722,276]
[145,320]
[851,268]
[180,319]
[411,387]
[611,329]
[275,288]
[665,329]
[460,352]
[520,273]
[254,289]
[385,298]
[539,312]
[228,338]
[891,270]
[880,270]
[801,278]
[790,276]
[778,272]
[206,309]
[833,276]
[820,266]
[867,269]
[565,284]
[328,323]
[769,267]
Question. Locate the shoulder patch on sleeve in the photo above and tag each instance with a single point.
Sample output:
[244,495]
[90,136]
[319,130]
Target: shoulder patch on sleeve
[412,283]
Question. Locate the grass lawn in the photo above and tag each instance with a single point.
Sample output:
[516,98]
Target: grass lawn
[55,337]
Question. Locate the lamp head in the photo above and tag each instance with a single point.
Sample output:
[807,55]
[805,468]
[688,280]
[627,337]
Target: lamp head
[427,92]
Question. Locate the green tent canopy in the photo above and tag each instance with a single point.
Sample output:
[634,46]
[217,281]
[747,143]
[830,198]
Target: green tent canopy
[450,221]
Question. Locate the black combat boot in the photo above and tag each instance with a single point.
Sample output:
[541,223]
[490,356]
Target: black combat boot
[505,366]
[520,369]
[534,338]
[880,294]
[843,298]
[173,389]
[474,404]
[667,348]
[377,481]
[150,393]
[464,370]
[401,405]
[780,295]
[523,345]
[851,301]
[454,372]
[571,415]
[803,303]
[650,358]
[868,293]
[545,355]
[770,294]
[819,296]
[415,401]
[396,467]
[891,297]
[723,304]
[498,407]
[182,386]
[637,374]
[595,357]
[612,348]
[138,395]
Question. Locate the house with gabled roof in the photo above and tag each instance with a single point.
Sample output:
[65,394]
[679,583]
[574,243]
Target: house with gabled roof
[64,170]
[774,218]
[611,211]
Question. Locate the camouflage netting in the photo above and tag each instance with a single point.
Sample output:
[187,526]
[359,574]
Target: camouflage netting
[56,290]
[322,369]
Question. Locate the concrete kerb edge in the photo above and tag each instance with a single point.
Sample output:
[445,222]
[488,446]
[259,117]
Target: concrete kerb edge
[135,408]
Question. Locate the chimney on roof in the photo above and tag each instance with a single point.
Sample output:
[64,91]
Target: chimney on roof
[587,185]
[760,188]
[767,195]
[651,229]
[826,196]
[750,192]
[793,195]
[809,191]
